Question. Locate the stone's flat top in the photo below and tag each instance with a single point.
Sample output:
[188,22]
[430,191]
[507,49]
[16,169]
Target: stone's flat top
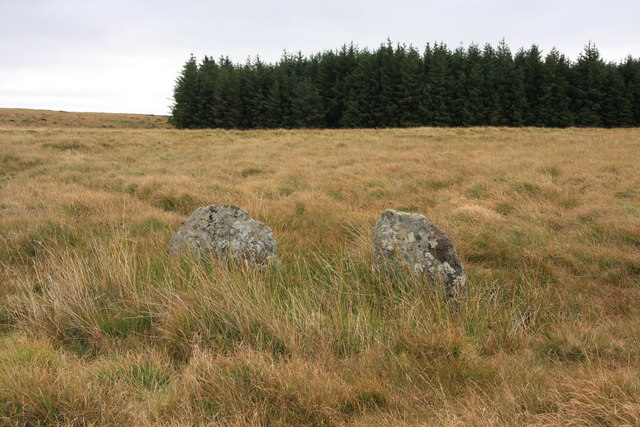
[222,210]
[403,213]
[404,216]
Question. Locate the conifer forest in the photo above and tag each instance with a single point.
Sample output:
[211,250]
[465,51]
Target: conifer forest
[399,86]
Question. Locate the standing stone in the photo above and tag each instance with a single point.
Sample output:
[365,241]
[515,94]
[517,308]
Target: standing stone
[228,233]
[409,240]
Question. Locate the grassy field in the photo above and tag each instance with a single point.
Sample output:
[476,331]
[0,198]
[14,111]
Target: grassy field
[98,326]
[26,118]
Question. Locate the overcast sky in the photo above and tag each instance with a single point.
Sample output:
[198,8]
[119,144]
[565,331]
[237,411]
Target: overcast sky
[124,55]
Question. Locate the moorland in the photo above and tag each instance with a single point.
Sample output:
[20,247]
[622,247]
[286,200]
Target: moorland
[98,326]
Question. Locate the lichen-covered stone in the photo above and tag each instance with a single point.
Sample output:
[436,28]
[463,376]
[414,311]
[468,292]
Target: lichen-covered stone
[227,233]
[409,240]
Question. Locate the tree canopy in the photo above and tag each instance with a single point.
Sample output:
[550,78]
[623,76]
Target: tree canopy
[398,86]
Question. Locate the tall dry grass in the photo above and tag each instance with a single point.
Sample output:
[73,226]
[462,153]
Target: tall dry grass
[98,326]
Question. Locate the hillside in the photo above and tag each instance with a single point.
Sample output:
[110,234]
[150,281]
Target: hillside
[27,118]
[99,327]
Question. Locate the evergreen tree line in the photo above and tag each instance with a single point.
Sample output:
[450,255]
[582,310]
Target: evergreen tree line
[397,86]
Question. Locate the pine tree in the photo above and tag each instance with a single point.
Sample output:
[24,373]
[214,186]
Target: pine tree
[228,108]
[474,112]
[364,90]
[261,80]
[334,69]
[409,96]
[630,70]
[386,108]
[588,81]
[436,85]
[347,61]
[287,74]
[509,85]
[458,80]
[328,79]
[530,62]
[184,111]
[617,109]
[492,89]
[556,103]
[207,78]
[250,95]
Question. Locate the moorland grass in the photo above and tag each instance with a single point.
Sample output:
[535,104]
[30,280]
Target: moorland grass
[99,326]
[37,119]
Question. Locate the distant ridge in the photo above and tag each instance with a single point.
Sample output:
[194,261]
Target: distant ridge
[28,118]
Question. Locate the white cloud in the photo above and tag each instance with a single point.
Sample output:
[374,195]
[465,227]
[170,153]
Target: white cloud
[124,56]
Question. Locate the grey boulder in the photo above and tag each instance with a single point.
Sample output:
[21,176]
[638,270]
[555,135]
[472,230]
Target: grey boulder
[227,233]
[404,240]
